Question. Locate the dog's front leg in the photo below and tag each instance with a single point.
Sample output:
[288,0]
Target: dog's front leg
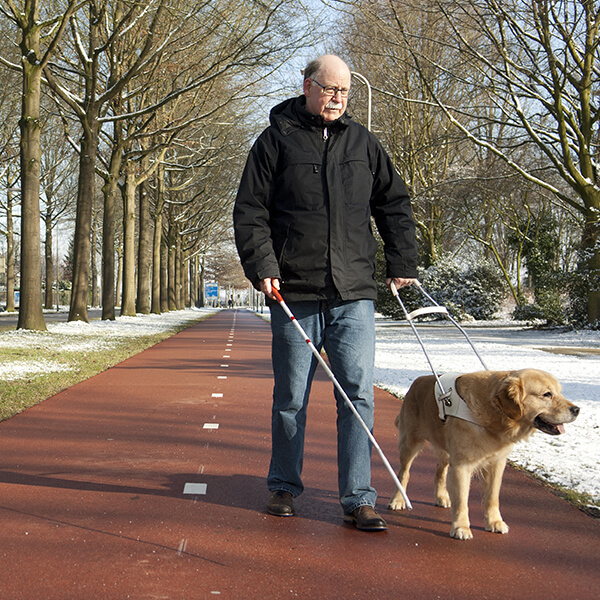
[397,502]
[491,500]
[459,483]
[441,482]
[409,449]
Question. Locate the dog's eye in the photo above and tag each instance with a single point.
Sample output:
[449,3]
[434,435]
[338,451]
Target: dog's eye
[548,395]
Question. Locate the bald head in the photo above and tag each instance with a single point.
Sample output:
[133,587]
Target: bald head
[326,71]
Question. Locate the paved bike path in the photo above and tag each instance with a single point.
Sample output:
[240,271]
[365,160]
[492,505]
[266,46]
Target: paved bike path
[148,481]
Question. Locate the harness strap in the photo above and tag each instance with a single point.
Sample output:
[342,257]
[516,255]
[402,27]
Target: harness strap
[449,402]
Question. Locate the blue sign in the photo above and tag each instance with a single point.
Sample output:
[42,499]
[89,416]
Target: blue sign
[211,291]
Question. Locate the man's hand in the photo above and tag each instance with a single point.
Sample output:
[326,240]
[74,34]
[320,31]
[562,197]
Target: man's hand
[399,282]
[266,286]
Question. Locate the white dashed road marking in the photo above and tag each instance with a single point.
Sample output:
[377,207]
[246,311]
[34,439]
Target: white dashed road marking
[197,489]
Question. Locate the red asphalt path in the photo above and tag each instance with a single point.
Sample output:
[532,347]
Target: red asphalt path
[92,502]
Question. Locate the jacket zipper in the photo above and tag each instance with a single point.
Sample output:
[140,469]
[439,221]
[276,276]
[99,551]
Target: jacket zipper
[325,134]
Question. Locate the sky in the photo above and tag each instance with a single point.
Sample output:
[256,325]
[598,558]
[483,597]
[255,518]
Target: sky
[571,459]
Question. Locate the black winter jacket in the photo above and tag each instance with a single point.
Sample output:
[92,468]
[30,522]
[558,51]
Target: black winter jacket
[303,208]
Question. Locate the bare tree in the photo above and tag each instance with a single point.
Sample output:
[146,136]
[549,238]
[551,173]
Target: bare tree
[40,35]
[58,185]
[532,65]
[9,175]
[176,47]
[413,129]
[91,101]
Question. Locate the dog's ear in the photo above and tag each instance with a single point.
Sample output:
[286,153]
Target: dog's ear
[509,397]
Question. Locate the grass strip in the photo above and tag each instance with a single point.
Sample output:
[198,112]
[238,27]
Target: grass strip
[17,395]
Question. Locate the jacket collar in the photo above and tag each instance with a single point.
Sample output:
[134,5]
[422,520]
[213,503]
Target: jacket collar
[291,115]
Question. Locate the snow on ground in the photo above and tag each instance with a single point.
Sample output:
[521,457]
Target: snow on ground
[571,460]
[78,336]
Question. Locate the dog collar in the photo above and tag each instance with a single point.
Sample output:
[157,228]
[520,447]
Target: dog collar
[449,402]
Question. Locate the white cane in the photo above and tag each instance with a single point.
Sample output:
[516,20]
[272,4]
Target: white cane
[329,372]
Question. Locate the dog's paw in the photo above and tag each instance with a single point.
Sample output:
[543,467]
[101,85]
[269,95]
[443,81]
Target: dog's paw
[497,527]
[397,503]
[461,533]
[443,501]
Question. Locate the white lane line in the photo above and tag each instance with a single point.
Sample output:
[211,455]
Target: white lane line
[211,426]
[198,489]
[182,547]
[216,395]
[221,376]
[225,366]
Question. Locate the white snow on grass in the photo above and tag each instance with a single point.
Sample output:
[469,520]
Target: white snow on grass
[23,369]
[81,337]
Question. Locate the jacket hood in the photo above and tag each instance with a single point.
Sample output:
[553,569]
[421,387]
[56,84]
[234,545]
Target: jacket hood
[291,114]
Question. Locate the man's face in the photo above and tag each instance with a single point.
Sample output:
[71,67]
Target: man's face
[334,74]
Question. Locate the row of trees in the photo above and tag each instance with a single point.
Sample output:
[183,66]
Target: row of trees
[136,115]
[491,111]
[133,119]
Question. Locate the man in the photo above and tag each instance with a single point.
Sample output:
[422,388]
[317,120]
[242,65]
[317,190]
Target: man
[312,181]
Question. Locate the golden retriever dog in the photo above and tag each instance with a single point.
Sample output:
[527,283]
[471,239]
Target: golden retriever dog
[506,407]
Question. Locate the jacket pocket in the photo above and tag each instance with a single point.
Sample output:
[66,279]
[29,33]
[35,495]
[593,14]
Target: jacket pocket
[357,181]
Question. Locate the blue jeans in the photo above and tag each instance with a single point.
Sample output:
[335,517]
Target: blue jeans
[347,332]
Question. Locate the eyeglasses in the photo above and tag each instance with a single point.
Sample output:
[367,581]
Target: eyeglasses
[331,90]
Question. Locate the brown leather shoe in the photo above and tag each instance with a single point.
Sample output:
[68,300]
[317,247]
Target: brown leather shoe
[281,504]
[366,519]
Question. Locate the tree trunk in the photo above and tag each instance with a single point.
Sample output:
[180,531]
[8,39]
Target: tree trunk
[94,263]
[10,254]
[119,277]
[185,285]
[143,288]
[49,299]
[157,241]
[172,282]
[109,190]
[201,283]
[31,315]
[193,271]
[178,274]
[128,303]
[83,222]
[156,264]
[164,276]
[591,252]
[200,276]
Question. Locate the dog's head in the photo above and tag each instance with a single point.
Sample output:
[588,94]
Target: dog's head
[532,397]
